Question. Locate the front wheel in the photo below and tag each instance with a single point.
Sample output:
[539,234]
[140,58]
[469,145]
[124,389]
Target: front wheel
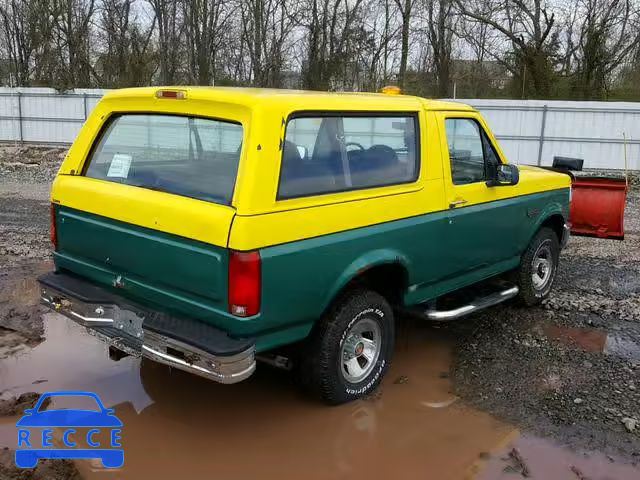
[538,267]
[350,349]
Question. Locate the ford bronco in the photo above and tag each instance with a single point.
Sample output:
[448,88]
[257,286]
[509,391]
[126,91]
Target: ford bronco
[205,228]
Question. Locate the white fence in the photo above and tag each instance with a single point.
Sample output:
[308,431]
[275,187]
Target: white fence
[529,131]
[40,115]
[534,131]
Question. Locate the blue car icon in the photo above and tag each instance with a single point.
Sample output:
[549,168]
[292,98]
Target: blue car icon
[39,444]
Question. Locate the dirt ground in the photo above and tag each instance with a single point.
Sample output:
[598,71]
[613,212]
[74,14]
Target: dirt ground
[549,393]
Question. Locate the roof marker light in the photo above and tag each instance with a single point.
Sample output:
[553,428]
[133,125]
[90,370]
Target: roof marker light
[391,90]
[173,94]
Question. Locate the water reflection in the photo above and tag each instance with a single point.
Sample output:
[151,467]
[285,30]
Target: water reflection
[595,341]
[177,423]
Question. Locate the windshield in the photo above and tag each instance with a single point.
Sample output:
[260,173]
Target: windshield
[192,157]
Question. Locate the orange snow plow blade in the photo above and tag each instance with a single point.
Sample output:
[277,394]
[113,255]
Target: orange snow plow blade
[597,207]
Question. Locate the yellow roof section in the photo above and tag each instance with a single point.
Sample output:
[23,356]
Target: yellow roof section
[301,99]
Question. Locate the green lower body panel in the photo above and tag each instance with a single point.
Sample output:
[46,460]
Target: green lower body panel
[440,252]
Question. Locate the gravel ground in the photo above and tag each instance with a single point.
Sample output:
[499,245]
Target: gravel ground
[570,368]
[25,176]
[30,164]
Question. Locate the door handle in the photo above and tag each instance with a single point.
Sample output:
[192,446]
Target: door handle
[457,203]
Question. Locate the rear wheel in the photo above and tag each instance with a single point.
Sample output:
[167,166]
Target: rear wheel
[538,267]
[350,348]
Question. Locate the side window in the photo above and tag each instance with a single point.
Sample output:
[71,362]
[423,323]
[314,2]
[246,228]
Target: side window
[324,154]
[470,151]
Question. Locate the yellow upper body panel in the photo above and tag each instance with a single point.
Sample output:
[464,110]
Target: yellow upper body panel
[255,217]
[293,99]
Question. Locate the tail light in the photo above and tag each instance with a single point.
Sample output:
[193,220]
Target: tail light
[245,283]
[53,232]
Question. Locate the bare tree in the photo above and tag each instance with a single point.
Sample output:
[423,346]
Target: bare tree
[204,25]
[170,28]
[128,59]
[383,28]
[479,39]
[71,21]
[405,8]
[440,21]
[585,49]
[236,69]
[115,23]
[267,26]
[19,29]
[530,27]
[332,31]
[609,32]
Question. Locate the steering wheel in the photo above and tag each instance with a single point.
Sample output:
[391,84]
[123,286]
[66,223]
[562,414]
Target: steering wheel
[356,144]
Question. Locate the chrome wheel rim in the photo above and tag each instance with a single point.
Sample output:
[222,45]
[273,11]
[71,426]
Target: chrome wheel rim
[360,350]
[542,266]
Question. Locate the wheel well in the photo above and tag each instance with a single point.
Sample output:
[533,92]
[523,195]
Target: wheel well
[556,223]
[389,280]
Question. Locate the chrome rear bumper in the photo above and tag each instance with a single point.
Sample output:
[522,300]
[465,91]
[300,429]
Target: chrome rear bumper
[140,332]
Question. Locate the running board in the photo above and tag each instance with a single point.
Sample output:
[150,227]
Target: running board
[476,304]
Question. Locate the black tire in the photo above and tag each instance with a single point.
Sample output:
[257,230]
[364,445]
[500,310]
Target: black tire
[532,292]
[320,368]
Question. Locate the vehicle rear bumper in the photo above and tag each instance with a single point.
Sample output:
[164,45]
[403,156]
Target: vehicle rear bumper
[178,342]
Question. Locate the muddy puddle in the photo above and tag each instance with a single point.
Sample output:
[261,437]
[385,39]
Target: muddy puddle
[176,423]
[20,320]
[595,340]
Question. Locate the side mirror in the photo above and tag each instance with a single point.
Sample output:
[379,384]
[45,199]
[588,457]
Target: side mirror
[504,174]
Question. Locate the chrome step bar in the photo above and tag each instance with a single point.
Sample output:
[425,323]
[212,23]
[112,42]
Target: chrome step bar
[477,304]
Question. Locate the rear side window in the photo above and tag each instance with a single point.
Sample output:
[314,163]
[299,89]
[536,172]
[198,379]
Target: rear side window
[324,154]
[192,157]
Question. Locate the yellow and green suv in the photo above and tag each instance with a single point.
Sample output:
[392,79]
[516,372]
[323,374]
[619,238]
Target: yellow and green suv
[205,228]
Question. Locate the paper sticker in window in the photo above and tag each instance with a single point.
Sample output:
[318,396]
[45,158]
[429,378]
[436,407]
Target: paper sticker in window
[120,165]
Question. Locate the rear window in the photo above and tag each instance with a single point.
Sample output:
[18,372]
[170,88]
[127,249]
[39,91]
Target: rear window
[192,157]
[324,154]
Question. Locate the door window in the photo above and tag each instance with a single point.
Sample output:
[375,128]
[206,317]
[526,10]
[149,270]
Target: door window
[470,152]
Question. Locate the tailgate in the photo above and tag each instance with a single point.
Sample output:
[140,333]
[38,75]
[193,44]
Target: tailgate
[148,212]
[181,274]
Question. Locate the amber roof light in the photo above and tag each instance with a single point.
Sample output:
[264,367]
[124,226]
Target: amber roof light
[391,90]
